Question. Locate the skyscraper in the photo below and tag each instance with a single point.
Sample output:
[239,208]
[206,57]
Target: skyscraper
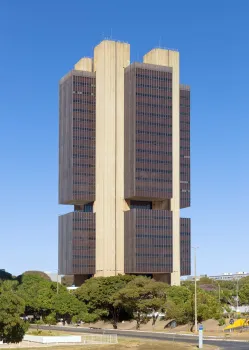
[124,155]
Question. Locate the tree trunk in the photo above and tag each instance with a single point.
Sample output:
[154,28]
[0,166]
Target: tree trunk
[115,318]
[138,321]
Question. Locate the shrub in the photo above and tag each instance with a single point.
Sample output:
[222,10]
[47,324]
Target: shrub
[221,322]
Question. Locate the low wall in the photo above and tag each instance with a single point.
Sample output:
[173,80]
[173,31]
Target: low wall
[53,339]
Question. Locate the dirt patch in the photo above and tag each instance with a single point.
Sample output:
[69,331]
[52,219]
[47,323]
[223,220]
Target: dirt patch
[126,344]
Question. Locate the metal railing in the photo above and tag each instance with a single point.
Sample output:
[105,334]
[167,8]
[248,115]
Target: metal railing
[99,339]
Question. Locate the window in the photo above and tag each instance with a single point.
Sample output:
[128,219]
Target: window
[141,205]
[88,208]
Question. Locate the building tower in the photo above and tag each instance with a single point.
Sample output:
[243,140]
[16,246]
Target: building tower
[124,150]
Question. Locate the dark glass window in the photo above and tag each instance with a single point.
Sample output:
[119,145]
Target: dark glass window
[88,208]
[141,205]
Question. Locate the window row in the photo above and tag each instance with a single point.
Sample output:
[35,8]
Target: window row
[142,122]
[154,96]
[149,265]
[86,102]
[153,189]
[154,77]
[83,247]
[83,174]
[77,128]
[84,182]
[153,161]
[78,138]
[157,115]
[85,156]
[83,83]
[144,179]
[83,119]
[83,257]
[153,255]
[153,170]
[154,143]
[83,238]
[90,229]
[151,245]
[83,93]
[153,226]
[155,133]
[83,265]
[155,87]
[145,104]
[84,147]
[77,193]
[148,151]
[87,93]
[84,165]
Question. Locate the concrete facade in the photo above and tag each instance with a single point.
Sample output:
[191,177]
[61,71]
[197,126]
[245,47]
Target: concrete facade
[121,160]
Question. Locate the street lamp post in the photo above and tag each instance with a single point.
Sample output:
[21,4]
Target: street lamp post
[195,249]
[237,298]
[57,287]
[219,291]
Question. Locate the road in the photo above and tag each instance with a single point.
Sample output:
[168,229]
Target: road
[222,344]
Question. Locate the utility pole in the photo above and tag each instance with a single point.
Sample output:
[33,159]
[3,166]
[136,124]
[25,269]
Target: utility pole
[57,281]
[196,330]
[219,292]
[237,295]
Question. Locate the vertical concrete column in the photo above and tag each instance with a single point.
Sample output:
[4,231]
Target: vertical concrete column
[170,58]
[84,64]
[110,59]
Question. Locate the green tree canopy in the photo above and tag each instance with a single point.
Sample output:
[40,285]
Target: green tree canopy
[97,294]
[67,280]
[4,275]
[66,305]
[180,305]
[244,294]
[36,273]
[142,296]
[12,327]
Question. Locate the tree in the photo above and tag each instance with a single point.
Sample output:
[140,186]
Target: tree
[97,295]
[66,305]
[143,296]
[38,294]
[208,306]
[244,294]
[36,273]
[5,275]
[179,304]
[181,312]
[30,289]
[12,327]
[67,280]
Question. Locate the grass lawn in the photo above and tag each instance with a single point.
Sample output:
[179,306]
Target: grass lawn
[45,333]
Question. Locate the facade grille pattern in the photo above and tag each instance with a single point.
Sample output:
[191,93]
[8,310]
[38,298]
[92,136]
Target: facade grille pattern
[77,138]
[148,132]
[148,241]
[77,172]
[185,246]
[77,243]
[184,147]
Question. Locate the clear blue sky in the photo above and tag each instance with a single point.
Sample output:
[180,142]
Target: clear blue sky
[41,40]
